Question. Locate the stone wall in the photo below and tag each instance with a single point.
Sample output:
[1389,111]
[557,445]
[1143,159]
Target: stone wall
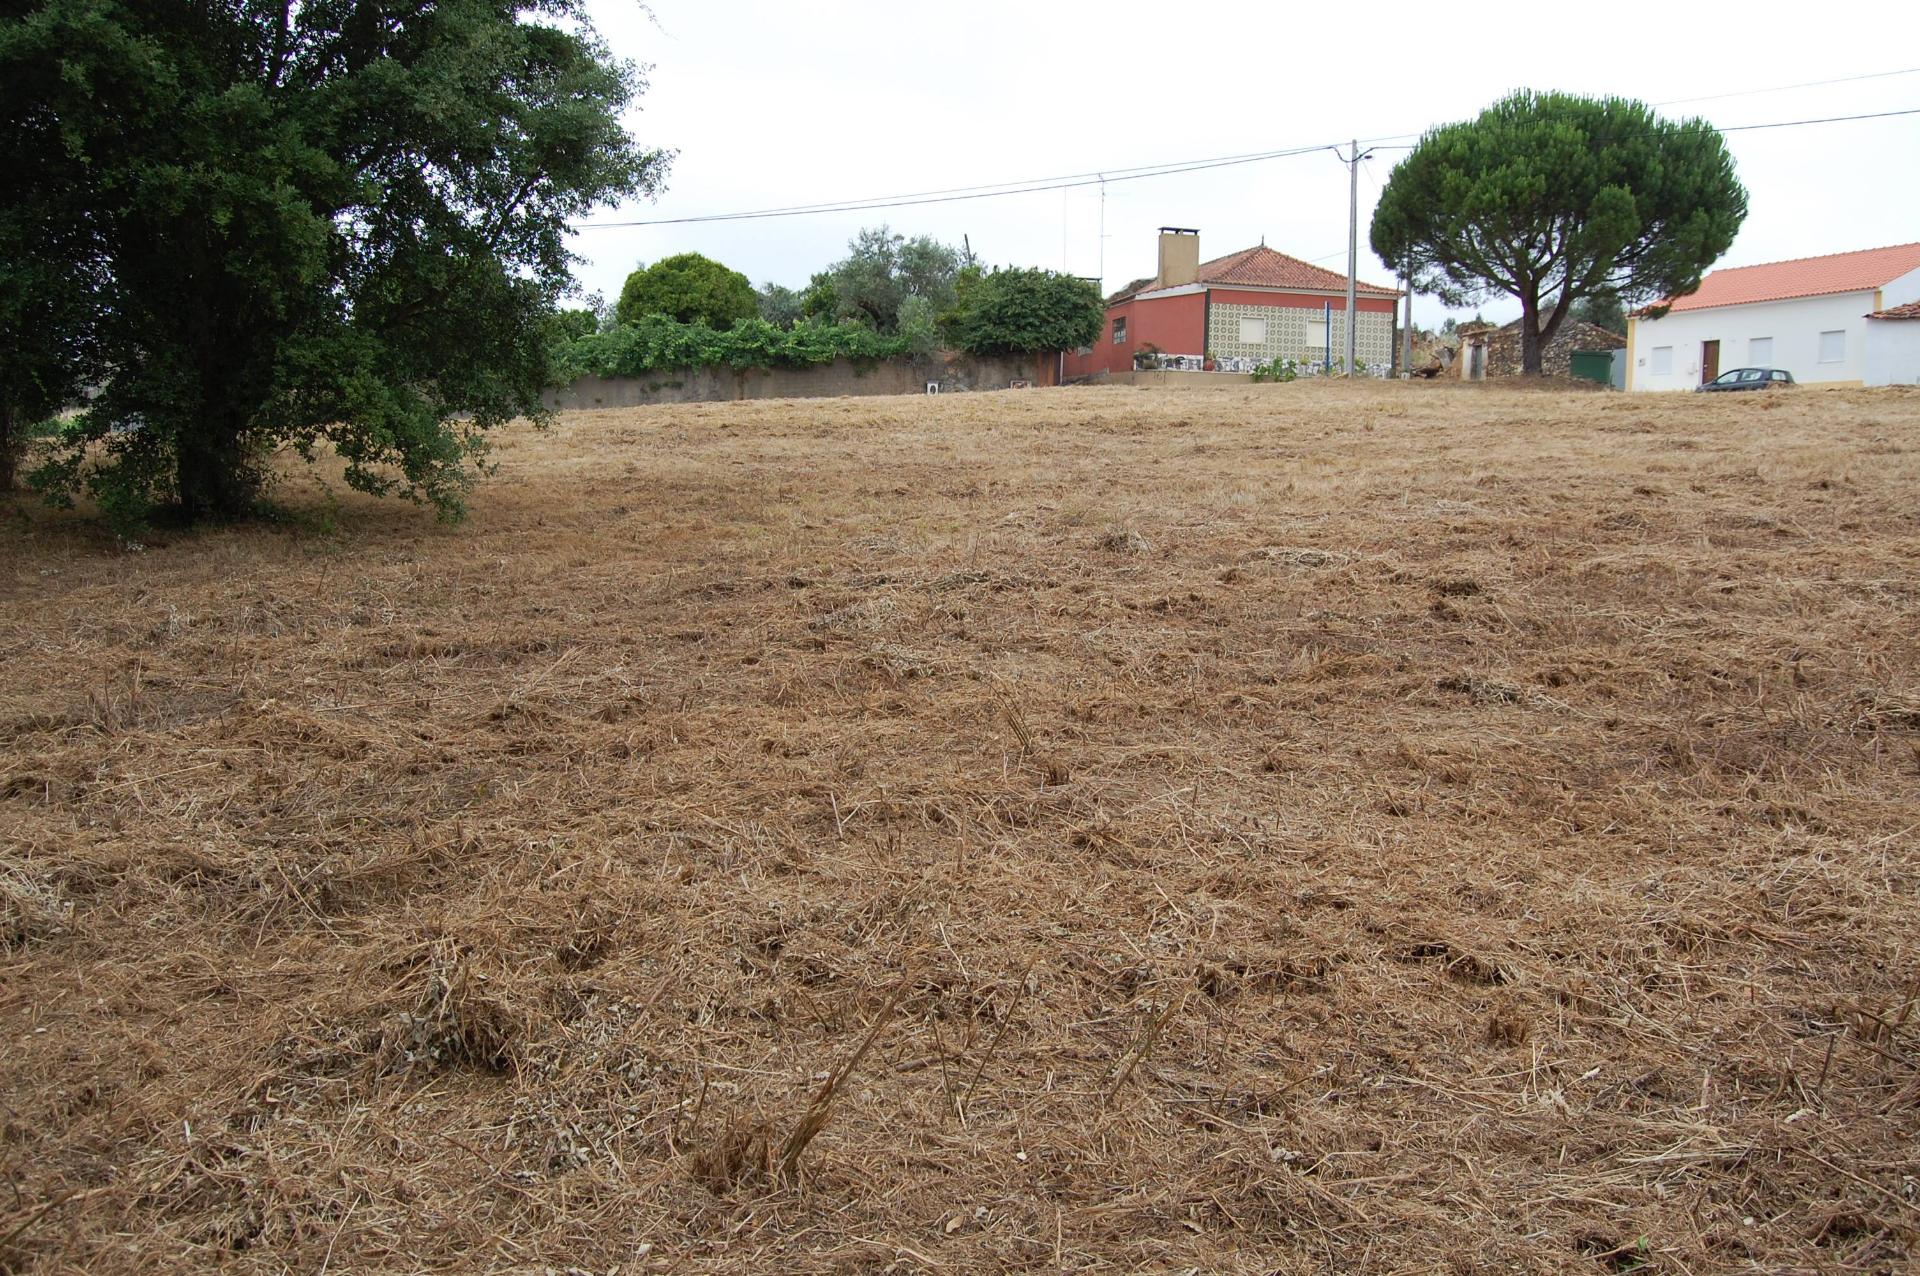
[1503,348]
[828,380]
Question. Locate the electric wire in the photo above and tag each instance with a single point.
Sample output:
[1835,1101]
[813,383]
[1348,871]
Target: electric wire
[1784,88]
[995,190]
[991,191]
[1831,119]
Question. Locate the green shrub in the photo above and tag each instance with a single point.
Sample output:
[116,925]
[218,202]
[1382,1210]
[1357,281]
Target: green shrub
[1019,311]
[690,288]
[656,342]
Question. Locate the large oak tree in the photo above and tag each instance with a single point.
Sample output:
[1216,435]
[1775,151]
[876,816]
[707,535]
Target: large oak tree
[1550,197]
[336,222]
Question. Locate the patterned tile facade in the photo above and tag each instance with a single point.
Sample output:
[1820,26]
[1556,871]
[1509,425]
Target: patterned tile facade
[1295,333]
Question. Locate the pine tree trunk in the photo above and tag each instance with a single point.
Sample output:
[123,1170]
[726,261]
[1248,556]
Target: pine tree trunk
[1529,337]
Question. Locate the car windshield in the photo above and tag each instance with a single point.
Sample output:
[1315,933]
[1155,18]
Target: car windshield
[1727,378]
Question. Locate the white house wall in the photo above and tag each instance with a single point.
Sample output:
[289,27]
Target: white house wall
[1795,327]
[1902,290]
[1893,352]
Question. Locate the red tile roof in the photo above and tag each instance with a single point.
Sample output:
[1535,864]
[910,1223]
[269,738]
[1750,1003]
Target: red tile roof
[1909,311]
[1262,267]
[1860,271]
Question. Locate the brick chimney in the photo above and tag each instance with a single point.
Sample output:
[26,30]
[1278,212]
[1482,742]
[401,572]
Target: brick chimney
[1179,257]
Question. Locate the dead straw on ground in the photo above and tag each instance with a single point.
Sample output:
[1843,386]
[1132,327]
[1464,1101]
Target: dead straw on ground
[1298,828]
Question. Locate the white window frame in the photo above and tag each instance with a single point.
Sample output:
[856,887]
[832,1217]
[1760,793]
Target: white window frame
[1253,331]
[1662,365]
[1119,330]
[1316,332]
[1760,351]
[1840,349]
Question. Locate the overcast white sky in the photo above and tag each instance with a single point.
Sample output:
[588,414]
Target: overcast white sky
[773,104]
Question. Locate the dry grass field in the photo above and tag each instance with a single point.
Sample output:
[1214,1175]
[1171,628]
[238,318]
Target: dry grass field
[1295,828]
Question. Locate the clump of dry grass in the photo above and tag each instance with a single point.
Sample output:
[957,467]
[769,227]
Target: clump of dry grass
[30,909]
[1372,828]
[1123,540]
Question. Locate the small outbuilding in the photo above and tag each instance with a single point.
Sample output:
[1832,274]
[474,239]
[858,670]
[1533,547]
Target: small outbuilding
[1489,352]
[1893,345]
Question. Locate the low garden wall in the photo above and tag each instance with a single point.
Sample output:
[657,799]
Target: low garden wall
[828,380]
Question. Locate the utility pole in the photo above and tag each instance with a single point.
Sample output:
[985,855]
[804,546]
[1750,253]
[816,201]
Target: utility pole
[1103,236]
[1353,242]
[1406,338]
[1352,158]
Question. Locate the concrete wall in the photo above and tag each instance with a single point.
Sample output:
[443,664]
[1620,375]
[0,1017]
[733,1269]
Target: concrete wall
[1794,326]
[828,380]
[1173,380]
[1893,351]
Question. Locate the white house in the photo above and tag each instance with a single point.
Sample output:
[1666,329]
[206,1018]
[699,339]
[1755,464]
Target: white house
[1893,345]
[1808,316]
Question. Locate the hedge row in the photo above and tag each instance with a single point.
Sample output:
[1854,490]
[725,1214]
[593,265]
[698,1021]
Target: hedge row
[656,342]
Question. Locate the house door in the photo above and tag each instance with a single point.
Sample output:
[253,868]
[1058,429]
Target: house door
[1709,361]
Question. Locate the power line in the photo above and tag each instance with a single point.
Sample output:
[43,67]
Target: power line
[961,194]
[1021,184]
[1831,119]
[1783,88]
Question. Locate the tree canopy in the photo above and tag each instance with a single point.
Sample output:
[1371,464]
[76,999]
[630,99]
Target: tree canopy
[1024,311]
[1551,197]
[779,305]
[47,292]
[296,224]
[818,299]
[1603,310]
[880,272]
[688,288]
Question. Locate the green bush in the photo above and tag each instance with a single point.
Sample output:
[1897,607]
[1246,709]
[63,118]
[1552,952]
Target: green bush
[1019,311]
[656,342]
[1277,369]
[691,289]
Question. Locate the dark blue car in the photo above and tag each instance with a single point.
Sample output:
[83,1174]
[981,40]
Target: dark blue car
[1749,379]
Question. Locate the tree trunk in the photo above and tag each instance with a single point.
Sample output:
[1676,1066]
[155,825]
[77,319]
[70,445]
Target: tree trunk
[212,472]
[9,448]
[1529,336]
[1554,320]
